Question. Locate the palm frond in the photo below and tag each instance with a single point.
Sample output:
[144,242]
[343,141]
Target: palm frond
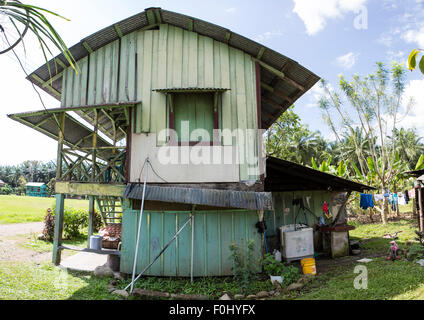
[34,17]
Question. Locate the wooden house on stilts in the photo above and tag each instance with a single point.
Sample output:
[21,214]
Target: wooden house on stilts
[179,103]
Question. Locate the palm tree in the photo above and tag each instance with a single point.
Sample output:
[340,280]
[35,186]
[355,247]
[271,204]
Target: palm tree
[18,18]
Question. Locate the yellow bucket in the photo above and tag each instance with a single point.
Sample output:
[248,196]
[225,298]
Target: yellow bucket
[308,266]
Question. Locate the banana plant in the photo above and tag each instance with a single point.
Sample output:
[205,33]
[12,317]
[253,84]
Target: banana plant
[412,60]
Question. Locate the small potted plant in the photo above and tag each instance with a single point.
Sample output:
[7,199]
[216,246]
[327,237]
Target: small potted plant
[273,268]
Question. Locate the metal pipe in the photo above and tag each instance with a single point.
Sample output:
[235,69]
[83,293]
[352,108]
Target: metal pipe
[157,257]
[192,244]
[139,226]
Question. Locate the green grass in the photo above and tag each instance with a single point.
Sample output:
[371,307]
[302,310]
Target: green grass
[45,282]
[401,279]
[16,209]
[41,246]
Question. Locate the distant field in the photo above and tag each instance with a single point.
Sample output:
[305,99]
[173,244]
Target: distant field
[15,209]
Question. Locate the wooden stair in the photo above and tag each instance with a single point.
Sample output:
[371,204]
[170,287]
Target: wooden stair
[110,209]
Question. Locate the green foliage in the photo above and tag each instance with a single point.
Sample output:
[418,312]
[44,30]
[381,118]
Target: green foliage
[6,190]
[416,252]
[291,274]
[35,20]
[243,265]
[74,221]
[412,60]
[272,267]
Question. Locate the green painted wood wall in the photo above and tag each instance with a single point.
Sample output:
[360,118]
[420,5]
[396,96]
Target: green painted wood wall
[170,58]
[284,200]
[214,233]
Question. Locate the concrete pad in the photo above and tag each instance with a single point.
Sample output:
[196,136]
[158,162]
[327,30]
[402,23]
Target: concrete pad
[84,262]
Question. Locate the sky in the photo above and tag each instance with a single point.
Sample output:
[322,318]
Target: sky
[329,37]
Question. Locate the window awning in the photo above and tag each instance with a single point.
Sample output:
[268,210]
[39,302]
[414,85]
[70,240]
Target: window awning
[206,197]
[191,90]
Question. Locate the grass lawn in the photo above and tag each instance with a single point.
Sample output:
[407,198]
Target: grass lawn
[16,209]
[401,279]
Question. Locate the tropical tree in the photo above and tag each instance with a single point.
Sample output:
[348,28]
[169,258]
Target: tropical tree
[373,106]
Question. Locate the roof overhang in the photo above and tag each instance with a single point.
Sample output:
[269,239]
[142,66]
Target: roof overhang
[282,175]
[76,134]
[282,80]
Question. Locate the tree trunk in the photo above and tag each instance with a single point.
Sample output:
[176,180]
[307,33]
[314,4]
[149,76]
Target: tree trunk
[385,211]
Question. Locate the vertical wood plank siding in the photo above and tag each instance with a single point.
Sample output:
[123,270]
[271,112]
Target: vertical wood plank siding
[213,234]
[169,58]
[285,200]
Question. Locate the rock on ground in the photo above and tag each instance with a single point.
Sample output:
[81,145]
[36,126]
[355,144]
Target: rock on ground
[103,271]
[262,294]
[121,293]
[239,297]
[225,297]
[295,286]
[251,297]
[150,294]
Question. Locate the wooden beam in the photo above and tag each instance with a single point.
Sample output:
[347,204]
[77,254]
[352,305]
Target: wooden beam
[118,30]
[151,17]
[261,53]
[191,25]
[157,16]
[280,74]
[87,47]
[52,90]
[89,189]
[228,37]
[276,92]
[50,81]
[271,102]
[61,63]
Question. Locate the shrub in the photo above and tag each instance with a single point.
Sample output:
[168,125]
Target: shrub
[6,190]
[74,220]
[415,252]
[274,267]
[243,265]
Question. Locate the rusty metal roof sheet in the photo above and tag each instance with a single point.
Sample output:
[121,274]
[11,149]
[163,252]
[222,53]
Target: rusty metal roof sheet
[282,175]
[206,197]
[274,106]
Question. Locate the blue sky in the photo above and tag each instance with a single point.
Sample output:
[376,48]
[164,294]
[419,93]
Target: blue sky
[323,36]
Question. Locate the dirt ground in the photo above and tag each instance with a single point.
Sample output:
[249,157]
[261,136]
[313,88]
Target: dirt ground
[13,236]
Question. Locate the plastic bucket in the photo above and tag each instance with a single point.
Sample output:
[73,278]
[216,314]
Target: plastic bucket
[96,242]
[308,266]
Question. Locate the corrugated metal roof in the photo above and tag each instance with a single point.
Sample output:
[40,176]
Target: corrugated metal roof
[206,197]
[291,68]
[35,184]
[74,132]
[282,175]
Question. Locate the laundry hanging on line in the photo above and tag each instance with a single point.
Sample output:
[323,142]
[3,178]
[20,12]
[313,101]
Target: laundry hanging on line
[366,201]
[379,197]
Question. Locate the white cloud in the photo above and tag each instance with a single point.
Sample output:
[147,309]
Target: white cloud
[231,10]
[347,61]
[267,35]
[415,117]
[415,35]
[316,13]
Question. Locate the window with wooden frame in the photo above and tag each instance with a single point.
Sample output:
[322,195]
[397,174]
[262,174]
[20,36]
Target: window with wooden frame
[194,116]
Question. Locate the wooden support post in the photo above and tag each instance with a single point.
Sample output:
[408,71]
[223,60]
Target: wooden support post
[420,204]
[58,228]
[94,154]
[61,131]
[90,219]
